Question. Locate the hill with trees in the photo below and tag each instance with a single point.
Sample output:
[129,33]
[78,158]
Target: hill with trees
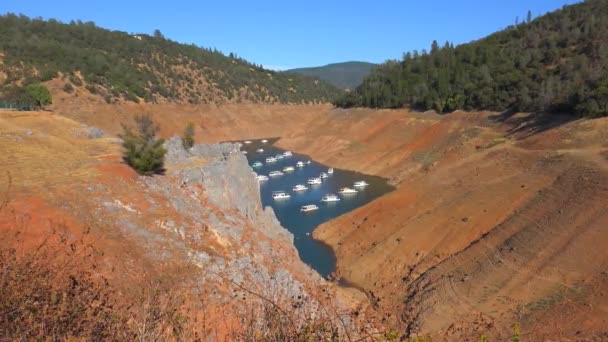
[554,63]
[138,67]
[347,75]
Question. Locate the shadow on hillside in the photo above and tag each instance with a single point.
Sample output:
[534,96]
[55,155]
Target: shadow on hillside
[526,125]
[161,171]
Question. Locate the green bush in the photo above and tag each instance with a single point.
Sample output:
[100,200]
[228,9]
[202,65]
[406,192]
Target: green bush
[595,102]
[143,151]
[39,95]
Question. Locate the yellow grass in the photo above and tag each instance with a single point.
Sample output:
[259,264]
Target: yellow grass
[40,149]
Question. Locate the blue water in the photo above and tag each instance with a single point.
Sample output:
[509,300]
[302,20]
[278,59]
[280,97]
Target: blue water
[315,253]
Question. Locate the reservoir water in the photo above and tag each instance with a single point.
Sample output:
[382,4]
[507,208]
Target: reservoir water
[315,253]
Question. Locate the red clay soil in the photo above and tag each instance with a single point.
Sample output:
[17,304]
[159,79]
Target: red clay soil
[493,222]
[53,177]
[490,225]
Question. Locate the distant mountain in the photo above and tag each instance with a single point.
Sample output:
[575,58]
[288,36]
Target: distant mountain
[347,75]
[138,67]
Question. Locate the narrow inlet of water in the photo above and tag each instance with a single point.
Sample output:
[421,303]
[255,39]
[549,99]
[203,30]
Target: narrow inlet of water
[301,224]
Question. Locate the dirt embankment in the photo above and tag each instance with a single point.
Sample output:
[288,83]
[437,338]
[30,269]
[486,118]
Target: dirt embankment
[213,122]
[495,220]
[200,225]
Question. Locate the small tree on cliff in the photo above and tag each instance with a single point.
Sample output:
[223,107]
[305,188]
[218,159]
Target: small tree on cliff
[144,152]
[188,136]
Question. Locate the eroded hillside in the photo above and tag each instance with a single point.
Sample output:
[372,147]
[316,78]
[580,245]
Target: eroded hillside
[199,229]
[497,220]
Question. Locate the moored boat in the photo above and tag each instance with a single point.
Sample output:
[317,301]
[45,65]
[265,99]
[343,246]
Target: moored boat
[262,178]
[330,171]
[300,164]
[287,154]
[275,173]
[257,164]
[247,142]
[309,207]
[330,198]
[314,181]
[271,160]
[323,175]
[288,169]
[260,150]
[361,184]
[264,141]
[347,191]
[280,195]
[300,187]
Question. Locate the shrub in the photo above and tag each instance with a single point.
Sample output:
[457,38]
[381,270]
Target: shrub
[68,88]
[75,80]
[91,88]
[39,95]
[54,292]
[47,75]
[50,292]
[188,136]
[144,152]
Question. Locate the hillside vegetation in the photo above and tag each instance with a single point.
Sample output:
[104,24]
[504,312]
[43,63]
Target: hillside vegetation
[150,68]
[347,75]
[557,62]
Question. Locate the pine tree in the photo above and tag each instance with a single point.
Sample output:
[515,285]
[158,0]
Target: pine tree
[143,151]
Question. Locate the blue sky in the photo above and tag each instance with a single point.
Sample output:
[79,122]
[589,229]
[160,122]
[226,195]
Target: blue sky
[285,34]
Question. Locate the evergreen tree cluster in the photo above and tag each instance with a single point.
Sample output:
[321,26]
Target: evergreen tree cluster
[557,62]
[137,67]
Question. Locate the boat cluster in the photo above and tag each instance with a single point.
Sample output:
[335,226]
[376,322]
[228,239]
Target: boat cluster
[274,159]
[282,195]
[247,142]
[286,169]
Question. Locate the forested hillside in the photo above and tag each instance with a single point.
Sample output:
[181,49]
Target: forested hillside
[347,75]
[557,62]
[151,68]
